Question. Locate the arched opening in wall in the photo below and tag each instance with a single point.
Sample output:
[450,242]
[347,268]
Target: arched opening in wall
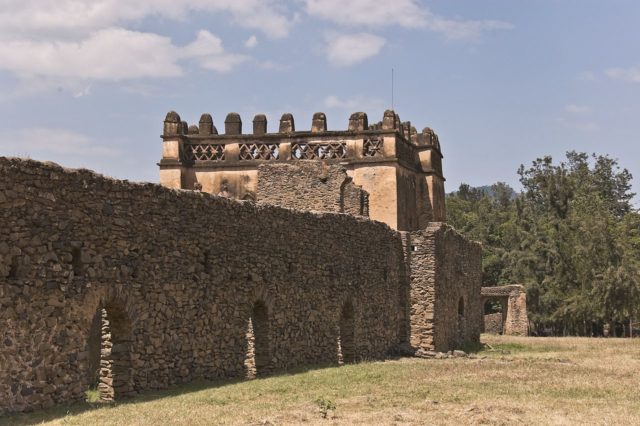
[13,268]
[346,337]
[206,262]
[461,323]
[258,357]
[494,315]
[492,306]
[342,195]
[404,325]
[76,261]
[109,371]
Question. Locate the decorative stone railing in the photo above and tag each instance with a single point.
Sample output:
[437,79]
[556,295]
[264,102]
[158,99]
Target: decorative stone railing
[328,150]
[259,151]
[203,152]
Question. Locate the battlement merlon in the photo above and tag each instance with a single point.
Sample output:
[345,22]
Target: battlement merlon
[388,140]
[400,168]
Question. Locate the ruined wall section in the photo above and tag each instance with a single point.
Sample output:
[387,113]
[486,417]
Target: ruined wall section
[179,273]
[353,199]
[311,185]
[517,321]
[446,310]
[513,299]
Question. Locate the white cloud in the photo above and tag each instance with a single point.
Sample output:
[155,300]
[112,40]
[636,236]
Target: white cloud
[586,76]
[251,42]
[73,17]
[222,63]
[52,143]
[112,54]
[464,30]
[356,103]
[630,75]
[208,51]
[70,43]
[405,13]
[349,49]
[577,109]
[205,44]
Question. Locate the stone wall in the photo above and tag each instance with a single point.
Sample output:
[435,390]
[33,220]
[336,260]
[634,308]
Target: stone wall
[311,185]
[446,312]
[179,274]
[493,323]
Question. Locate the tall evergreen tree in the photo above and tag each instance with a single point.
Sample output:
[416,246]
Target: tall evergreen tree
[572,237]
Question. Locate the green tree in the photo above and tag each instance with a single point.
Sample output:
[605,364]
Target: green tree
[572,236]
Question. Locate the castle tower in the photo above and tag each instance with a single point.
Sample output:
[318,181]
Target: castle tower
[400,168]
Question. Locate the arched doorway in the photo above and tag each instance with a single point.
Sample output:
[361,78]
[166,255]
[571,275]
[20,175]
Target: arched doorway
[494,315]
[346,337]
[258,358]
[461,323]
[110,353]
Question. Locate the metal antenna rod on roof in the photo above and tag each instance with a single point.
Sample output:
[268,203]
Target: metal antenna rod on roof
[392,100]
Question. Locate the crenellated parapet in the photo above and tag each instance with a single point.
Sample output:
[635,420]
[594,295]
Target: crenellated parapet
[389,139]
[389,155]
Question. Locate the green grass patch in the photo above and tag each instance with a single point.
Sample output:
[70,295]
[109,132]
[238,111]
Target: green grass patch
[531,385]
[92,396]
[512,347]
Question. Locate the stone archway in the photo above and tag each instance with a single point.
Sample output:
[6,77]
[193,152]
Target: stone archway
[513,319]
[346,336]
[494,311]
[110,352]
[258,358]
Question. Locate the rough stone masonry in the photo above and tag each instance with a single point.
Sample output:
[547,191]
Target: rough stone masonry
[131,287]
[512,318]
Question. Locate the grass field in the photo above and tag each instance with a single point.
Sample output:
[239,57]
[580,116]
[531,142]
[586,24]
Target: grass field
[521,381]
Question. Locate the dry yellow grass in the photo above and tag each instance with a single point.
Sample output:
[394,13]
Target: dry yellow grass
[562,381]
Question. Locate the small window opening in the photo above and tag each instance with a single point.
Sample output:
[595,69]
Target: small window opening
[76,261]
[13,268]
[461,307]
[206,261]
[414,248]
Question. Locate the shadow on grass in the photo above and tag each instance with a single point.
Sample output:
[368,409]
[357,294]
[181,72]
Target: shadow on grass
[61,411]
[474,347]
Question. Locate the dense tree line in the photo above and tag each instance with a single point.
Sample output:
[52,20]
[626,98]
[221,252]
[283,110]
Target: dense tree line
[572,237]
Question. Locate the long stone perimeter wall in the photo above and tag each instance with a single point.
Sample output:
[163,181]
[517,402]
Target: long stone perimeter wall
[179,274]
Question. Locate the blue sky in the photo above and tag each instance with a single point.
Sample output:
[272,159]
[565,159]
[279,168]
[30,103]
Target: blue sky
[87,83]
